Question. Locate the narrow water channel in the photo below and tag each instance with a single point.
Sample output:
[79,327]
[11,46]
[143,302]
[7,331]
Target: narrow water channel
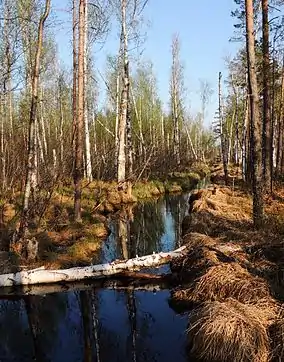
[105,325]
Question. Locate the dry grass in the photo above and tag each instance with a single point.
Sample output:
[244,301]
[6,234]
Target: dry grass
[230,331]
[226,215]
[227,256]
[197,259]
[234,205]
[195,240]
[277,339]
[228,280]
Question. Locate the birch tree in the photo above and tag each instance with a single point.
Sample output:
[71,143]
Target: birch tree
[176,89]
[222,130]
[88,162]
[79,119]
[121,164]
[31,165]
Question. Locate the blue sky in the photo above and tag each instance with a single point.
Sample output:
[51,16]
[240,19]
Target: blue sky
[204,28]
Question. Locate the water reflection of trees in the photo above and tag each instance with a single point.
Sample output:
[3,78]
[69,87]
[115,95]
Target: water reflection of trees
[176,205]
[141,233]
[30,325]
[147,227]
[16,344]
[101,325]
[91,325]
[44,315]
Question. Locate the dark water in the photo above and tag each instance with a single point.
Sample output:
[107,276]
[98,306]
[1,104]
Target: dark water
[102,324]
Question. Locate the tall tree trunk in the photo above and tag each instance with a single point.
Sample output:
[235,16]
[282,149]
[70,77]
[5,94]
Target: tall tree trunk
[235,89]
[43,131]
[31,162]
[86,118]
[75,72]
[129,138]
[280,126]
[267,144]
[176,132]
[257,187]
[2,148]
[117,103]
[141,145]
[175,98]
[61,142]
[8,59]
[79,137]
[121,167]
[245,150]
[223,135]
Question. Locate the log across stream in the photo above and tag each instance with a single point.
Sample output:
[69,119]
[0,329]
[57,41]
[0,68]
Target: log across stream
[103,321]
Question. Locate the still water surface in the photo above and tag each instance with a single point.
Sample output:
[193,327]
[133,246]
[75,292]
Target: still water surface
[105,325]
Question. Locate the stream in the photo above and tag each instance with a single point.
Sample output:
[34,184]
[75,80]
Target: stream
[105,325]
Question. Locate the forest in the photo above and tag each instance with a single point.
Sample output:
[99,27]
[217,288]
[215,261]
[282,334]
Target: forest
[104,180]
[58,141]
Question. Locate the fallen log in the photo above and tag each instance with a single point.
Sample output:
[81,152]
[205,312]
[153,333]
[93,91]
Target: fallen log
[45,276]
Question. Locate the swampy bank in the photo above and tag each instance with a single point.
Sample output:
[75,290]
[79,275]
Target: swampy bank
[223,301]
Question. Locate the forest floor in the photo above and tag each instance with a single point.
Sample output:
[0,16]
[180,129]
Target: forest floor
[63,243]
[232,276]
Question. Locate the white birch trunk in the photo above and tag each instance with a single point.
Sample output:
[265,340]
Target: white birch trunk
[43,131]
[43,276]
[54,162]
[3,159]
[41,154]
[86,121]
[61,136]
[139,120]
[191,144]
[121,167]
[35,171]
[117,116]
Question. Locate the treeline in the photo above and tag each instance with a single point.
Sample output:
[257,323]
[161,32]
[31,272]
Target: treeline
[155,141]
[53,127]
[250,116]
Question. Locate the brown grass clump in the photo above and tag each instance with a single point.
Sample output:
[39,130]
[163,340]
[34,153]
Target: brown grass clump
[195,240]
[197,253]
[229,280]
[185,225]
[229,331]
[194,263]
[277,338]
[180,300]
[224,203]
[201,222]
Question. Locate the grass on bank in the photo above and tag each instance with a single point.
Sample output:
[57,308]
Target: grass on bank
[230,331]
[235,275]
